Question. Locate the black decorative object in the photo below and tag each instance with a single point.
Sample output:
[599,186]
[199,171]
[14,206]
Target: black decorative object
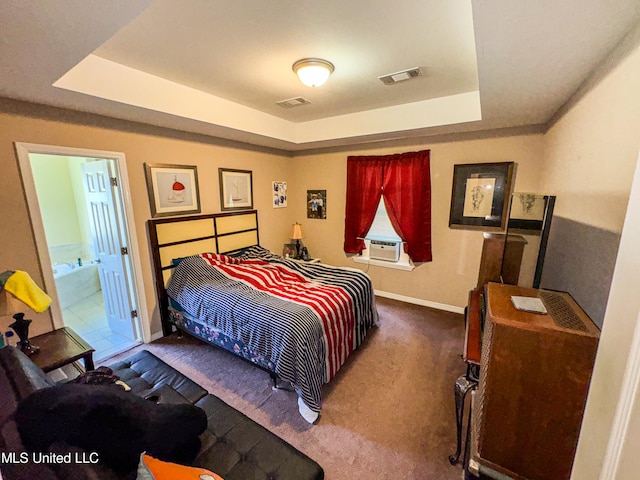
[21,327]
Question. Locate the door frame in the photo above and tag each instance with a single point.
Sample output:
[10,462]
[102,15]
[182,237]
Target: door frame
[23,150]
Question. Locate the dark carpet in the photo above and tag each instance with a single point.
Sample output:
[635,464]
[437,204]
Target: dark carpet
[388,414]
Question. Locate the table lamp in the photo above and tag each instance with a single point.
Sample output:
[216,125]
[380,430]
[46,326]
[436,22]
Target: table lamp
[296,235]
[19,292]
[11,306]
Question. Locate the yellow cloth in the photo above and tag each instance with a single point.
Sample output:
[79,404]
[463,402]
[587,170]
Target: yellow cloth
[25,289]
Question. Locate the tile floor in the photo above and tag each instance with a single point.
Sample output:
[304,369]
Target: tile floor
[88,319]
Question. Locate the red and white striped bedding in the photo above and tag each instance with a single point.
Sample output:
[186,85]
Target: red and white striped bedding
[304,318]
[332,304]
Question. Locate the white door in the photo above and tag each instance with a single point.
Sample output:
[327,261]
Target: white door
[105,226]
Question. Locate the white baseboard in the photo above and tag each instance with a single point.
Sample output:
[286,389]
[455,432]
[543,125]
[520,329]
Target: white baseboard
[156,336]
[420,301]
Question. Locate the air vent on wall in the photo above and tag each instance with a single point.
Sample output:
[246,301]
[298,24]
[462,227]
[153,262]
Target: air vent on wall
[293,102]
[401,76]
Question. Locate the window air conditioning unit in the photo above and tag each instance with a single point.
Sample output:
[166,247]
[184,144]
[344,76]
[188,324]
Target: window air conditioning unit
[389,251]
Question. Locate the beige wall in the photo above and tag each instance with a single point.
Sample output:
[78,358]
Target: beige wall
[590,153]
[456,253]
[18,250]
[590,159]
[57,200]
[446,280]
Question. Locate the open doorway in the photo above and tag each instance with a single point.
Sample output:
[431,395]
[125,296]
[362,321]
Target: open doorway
[80,222]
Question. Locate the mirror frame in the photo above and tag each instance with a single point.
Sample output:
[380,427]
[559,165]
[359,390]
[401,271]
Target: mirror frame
[540,225]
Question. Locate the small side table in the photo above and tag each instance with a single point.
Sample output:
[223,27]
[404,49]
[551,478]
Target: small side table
[62,347]
[311,260]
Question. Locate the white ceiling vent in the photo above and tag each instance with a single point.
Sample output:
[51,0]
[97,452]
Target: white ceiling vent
[293,102]
[394,78]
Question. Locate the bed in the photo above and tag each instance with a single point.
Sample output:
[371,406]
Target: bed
[296,320]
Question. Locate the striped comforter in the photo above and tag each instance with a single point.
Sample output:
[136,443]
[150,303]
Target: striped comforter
[305,318]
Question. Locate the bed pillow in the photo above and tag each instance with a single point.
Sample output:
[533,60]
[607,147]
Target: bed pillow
[107,420]
[176,261]
[238,253]
[254,251]
[151,468]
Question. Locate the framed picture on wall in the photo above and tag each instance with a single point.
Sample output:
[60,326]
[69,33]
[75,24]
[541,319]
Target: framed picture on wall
[480,196]
[279,190]
[236,189]
[317,204]
[173,189]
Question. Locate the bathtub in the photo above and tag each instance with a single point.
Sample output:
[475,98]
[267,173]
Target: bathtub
[75,283]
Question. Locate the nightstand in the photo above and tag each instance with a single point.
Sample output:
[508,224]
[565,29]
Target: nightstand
[60,348]
[312,260]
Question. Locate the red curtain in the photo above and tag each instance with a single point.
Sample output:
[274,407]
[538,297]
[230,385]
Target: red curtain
[407,197]
[404,180]
[364,187]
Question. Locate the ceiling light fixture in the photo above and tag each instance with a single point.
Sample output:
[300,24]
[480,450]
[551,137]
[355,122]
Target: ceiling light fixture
[313,72]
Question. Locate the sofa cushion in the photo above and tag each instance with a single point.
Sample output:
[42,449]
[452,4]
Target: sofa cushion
[108,420]
[19,377]
[237,448]
[145,373]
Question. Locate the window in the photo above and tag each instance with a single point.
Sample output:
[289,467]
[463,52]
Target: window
[382,230]
[401,184]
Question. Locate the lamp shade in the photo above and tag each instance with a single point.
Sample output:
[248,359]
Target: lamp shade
[313,72]
[296,234]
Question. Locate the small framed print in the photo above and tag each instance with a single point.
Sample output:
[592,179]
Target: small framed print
[527,212]
[173,189]
[530,212]
[317,204]
[236,189]
[480,196]
[279,190]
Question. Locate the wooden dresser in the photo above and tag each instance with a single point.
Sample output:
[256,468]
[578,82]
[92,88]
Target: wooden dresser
[534,376]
